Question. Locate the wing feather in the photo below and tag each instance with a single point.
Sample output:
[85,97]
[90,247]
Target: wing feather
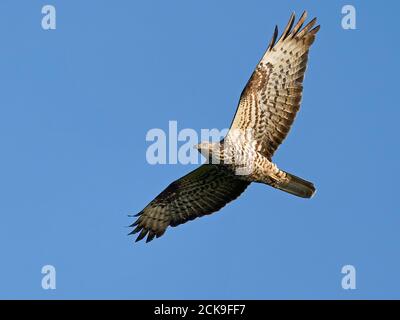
[270,101]
[203,191]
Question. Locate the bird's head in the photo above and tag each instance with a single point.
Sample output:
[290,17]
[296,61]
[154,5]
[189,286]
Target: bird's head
[210,150]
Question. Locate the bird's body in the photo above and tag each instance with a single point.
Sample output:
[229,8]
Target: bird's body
[266,111]
[242,157]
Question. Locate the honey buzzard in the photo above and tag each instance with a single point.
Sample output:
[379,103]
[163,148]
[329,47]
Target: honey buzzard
[267,108]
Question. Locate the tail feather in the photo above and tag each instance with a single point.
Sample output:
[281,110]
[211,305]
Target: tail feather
[297,186]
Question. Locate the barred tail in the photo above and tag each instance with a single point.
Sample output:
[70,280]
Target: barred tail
[297,186]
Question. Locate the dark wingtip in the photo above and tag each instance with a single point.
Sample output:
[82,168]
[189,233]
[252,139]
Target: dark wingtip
[135,215]
[316,29]
[150,237]
[134,224]
[138,214]
[144,231]
[289,26]
[273,39]
[304,15]
[141,235]
[136,230]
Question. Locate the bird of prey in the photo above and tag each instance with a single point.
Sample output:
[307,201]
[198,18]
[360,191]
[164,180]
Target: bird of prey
[266,110]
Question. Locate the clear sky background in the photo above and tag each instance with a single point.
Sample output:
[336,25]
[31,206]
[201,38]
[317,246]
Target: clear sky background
[76,104]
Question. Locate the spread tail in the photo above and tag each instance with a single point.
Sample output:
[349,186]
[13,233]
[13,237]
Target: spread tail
[297,186]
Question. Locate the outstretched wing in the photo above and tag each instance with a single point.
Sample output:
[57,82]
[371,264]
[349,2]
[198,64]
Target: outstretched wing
[271,98]
[203,191]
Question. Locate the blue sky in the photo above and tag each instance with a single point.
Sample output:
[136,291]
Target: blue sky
[76,104]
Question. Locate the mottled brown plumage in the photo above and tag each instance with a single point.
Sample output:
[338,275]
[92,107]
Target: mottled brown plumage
[271,98]
[266,111]
[202,191]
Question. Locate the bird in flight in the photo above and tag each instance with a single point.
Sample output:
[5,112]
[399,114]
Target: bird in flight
[267,108]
